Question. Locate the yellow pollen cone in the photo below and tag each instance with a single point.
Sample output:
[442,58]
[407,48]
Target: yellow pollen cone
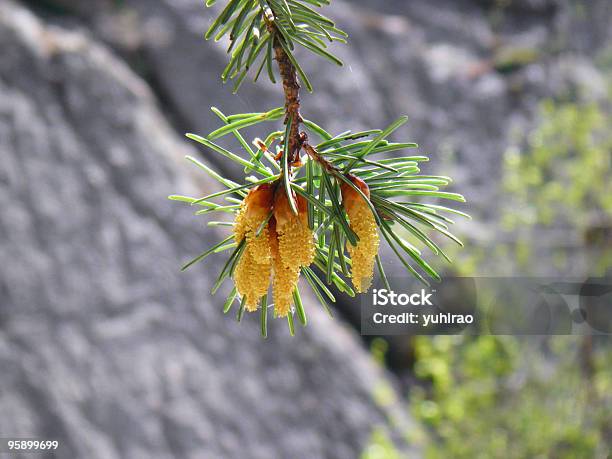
[292,247]
[295,239]
[285,278]
[252,279]
[252,273]
[363,223]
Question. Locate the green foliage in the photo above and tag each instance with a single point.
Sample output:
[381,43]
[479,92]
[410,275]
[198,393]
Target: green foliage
[254,26]
[501,397]
[497,397]
[380,447]
[564,175]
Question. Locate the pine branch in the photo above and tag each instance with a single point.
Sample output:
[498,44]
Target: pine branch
[320,218]
[260,29]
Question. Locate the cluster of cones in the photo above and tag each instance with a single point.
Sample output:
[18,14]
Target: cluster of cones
[279,243]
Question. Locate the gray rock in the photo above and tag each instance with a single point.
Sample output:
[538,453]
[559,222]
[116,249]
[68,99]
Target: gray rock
[104,345]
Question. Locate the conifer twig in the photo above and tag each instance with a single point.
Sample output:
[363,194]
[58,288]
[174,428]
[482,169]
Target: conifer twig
[322,221]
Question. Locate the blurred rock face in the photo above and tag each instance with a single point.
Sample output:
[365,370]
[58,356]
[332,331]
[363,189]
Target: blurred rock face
[102,342]
[104,345]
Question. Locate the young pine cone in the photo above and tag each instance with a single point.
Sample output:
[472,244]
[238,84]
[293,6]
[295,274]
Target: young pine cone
[285,245]
[363,223]
[292,247]
[252,274]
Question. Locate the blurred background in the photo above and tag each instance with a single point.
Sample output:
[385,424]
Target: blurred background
[108,348]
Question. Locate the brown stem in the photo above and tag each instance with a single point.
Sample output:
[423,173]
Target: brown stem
[335,171]
[291,88]
[316,156]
